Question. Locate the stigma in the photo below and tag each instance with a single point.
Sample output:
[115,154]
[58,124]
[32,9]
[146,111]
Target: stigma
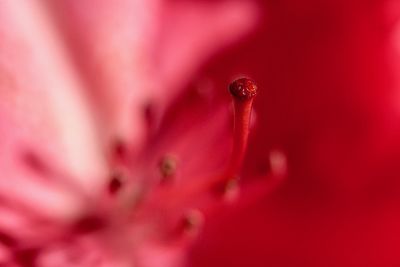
[243,89]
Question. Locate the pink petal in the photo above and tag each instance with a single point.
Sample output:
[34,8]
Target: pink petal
[45,120]
[133,53]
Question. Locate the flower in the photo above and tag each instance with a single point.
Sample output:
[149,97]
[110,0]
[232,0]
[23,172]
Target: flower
[115,125]
[92,127]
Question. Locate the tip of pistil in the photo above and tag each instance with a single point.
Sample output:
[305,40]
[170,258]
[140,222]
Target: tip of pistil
[243,89]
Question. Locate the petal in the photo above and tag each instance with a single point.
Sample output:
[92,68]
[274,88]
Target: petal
[132,53]
[45,121]
[192,31]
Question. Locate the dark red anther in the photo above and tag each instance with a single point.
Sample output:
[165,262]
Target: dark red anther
[243,91]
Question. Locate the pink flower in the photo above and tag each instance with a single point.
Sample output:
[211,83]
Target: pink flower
[116,133]
[92,118]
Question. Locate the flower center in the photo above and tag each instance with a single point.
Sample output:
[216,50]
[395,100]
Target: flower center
[177,201]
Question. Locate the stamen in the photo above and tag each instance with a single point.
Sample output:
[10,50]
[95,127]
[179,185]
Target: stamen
[192,222]
[278,163]
[231,189]
[167,167]
[243,91]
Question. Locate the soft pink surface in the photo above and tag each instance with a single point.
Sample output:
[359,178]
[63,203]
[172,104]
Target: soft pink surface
[77,78]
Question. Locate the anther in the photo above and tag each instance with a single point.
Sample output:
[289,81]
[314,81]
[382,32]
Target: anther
[278,163]
[167,166]
[231,189]
[192,222]
[149,113]
[243,91]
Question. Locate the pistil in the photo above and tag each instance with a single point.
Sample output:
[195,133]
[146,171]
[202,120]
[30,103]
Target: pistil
[243,91]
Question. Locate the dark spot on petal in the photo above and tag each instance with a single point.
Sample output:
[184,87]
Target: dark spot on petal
[88,224]
[27,257]
[7,240]
[115,184]
[149,114]
[34,162]
[119,150]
